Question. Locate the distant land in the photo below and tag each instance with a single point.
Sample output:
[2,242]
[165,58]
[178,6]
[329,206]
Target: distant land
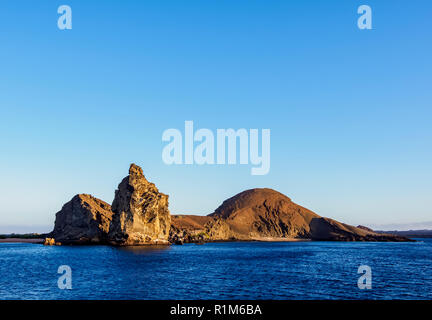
[27,237]
[407,226]
[411,233]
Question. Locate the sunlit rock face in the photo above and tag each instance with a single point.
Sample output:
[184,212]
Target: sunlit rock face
[140,212]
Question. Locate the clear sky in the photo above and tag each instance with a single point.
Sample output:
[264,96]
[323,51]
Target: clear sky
[349,110]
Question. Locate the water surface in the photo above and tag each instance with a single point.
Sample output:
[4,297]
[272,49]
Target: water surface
[238,270]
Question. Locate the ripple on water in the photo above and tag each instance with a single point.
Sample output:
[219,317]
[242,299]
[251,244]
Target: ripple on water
[238,270]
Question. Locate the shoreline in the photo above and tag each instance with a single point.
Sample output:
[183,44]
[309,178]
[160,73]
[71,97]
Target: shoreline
[19,240]
[266,239]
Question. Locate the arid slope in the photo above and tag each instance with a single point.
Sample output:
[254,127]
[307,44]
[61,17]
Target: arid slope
[265,214]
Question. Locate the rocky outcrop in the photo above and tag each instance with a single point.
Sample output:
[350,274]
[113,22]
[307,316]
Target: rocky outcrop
[83,220]
[50,242]
[267,215]
[139,215]
[140,212]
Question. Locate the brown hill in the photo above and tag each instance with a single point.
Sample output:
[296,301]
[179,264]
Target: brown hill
[265,214]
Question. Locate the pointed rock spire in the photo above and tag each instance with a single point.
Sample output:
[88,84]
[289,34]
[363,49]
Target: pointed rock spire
[141,214]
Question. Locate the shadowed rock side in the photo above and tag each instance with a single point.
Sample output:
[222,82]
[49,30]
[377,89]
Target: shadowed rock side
[266,215]
[83,220]
[141,214]
[332,230]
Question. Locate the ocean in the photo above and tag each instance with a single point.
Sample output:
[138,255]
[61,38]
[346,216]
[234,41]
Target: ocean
[236,270]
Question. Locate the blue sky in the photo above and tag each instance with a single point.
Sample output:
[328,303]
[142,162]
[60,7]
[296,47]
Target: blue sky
[349,110]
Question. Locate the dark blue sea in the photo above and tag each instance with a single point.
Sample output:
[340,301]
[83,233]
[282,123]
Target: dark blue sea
[237,270]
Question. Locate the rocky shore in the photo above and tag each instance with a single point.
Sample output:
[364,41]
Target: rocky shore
[139,215]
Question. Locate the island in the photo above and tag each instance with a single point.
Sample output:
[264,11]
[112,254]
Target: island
[139,215]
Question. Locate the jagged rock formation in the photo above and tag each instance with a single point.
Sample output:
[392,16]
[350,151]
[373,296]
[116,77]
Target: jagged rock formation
[265,214]
[141,214]
[83,220]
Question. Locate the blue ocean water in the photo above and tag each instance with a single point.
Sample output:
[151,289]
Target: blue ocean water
[237,270]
